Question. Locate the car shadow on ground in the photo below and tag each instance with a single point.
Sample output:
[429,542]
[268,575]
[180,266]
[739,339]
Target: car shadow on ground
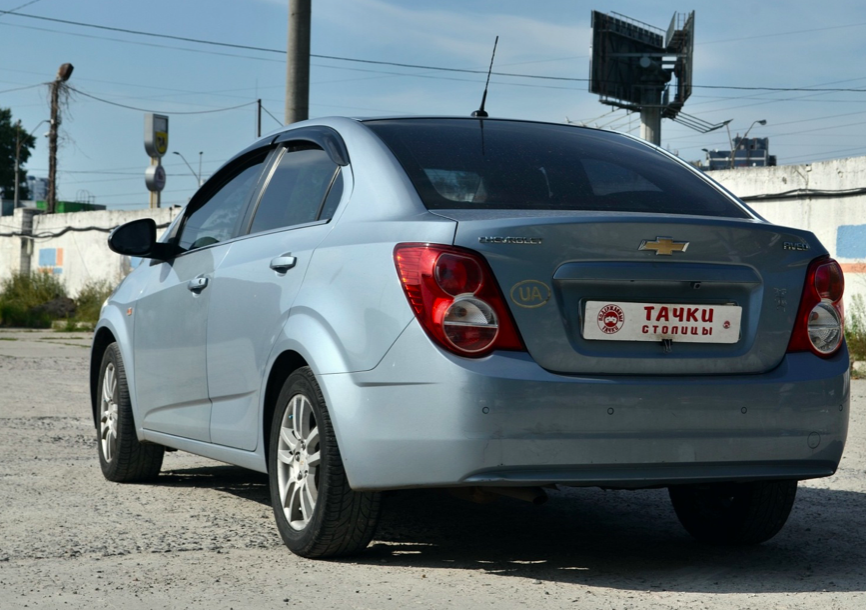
[233,480]
[628,540]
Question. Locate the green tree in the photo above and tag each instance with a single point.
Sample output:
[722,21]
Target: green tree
[12,136]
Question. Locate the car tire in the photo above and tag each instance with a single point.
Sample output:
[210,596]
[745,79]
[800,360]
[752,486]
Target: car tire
[318,515]
[734,514]
[122,457]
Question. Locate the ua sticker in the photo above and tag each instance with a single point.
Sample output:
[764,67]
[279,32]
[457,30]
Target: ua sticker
[530,293]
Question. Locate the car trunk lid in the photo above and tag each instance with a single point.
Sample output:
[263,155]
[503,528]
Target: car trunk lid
[635,294]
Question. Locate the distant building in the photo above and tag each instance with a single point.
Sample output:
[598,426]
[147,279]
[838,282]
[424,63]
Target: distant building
[748,152]
[63,207]
[38,188]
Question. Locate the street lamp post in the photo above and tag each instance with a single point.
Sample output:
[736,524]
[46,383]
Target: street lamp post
[18,144]
[749,150]
[731,142]
[727,125]
[192,171]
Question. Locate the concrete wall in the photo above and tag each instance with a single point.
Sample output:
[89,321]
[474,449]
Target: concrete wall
[73,246]
[10,247]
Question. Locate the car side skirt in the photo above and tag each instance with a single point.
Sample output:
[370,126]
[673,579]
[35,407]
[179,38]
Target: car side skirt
[238,457]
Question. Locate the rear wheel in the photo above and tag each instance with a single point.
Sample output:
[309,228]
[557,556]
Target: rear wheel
[317,513]
[122,457]
[734,513]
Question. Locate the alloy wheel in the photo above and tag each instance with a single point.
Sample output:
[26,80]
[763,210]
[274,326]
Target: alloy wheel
[298,460]
[108,413]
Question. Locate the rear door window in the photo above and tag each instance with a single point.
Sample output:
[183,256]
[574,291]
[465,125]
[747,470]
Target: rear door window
[298,190]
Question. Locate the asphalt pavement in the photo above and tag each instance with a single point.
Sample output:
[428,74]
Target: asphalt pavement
[203,535]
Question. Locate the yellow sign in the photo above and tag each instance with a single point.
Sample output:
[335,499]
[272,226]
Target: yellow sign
[155,134]
[162,142]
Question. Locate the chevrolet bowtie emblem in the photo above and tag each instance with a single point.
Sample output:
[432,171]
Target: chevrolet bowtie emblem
[664,245]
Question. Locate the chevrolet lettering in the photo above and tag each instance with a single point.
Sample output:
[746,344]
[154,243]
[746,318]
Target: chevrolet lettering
[533,241]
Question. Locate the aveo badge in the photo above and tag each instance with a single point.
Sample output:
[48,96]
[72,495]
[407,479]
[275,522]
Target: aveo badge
[530,293]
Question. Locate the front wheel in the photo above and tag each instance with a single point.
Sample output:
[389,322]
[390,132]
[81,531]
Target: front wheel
[734,513]
[317,513]
[122,457]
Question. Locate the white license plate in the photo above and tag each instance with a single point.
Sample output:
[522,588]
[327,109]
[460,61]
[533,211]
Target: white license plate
[618,321]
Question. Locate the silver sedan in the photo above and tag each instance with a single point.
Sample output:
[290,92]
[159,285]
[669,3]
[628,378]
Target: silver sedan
[488,305]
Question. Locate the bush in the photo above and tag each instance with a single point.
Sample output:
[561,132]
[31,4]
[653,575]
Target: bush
[13,314]
[32,300]
[855,328]
[89,301]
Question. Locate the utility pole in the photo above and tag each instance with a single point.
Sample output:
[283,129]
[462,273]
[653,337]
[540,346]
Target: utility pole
[259,121]
[63,75]
[17,155]
[298,62]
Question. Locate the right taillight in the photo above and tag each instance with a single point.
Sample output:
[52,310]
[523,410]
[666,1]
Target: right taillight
[454,296]
[820,323]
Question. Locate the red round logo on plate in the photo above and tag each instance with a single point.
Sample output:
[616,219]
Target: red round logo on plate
[610,319]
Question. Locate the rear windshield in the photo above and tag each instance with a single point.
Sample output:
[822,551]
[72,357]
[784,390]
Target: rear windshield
[492,164]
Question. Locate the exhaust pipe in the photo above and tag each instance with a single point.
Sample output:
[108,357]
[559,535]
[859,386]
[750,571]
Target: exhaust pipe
[485,495]
[534,495]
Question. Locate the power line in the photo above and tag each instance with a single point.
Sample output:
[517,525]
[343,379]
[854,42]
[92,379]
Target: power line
[413,66]
[806,89]
[140,33]
[830,152]
[23,88]
[833,27]
[122,170]
[135,42]
[18,8]
[278,51]
[99,99]
[272,116]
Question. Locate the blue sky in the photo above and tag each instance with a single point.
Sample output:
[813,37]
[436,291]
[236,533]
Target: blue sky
[789,45]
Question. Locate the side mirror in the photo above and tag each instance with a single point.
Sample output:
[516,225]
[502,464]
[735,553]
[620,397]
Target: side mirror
[138,238]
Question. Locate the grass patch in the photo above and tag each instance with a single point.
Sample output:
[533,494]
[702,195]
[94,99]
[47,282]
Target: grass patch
[38,300]
[85,346]
[89,302]
[31,300]
[8,339]
[855,329]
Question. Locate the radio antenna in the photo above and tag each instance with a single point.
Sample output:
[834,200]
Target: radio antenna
[481,113]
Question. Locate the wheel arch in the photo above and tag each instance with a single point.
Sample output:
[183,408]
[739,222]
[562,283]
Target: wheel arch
[285,364]
[101,340]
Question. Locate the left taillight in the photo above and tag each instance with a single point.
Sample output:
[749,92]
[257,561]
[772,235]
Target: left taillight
[454,296]
[820,323]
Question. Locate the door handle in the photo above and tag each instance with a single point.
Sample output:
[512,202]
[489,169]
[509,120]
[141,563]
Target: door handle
[283,263]
[197,284]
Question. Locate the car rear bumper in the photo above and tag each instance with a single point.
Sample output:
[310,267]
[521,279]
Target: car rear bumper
[424,418]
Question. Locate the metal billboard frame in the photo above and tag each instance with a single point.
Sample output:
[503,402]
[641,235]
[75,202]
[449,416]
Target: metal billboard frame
[633,63]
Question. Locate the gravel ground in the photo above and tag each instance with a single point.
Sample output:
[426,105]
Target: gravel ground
[203,535]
